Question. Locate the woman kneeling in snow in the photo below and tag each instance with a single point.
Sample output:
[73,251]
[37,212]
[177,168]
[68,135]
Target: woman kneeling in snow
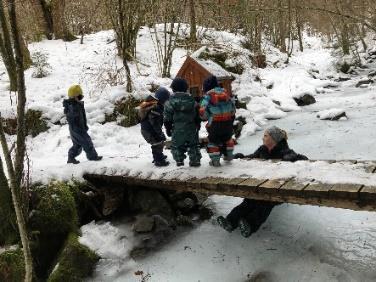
[251,214]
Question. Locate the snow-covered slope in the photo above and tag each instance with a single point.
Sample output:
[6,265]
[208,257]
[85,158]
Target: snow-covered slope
[297,243]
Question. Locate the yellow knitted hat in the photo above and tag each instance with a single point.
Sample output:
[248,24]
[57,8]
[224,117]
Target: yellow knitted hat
[74,91]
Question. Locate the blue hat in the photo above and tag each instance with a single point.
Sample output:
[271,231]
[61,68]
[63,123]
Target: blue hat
[210,83]
[179,85]
[162,95]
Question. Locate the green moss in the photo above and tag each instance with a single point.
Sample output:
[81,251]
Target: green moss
[53,217]
[55,208]
[124,112]
[35,124]
[8,225]
[220,57]
[75,262]
[12,267]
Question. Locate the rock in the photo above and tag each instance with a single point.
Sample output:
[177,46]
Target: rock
[263,276]
[306,99]
[186,205]
[12,266]
[75,263]
[332,114]
[150,202]
[372,73]
[152,240]
[205,213]
[240,104]
[238,125]
[184,220]
[342,78]
[113,199]
[143,224]
[363,82]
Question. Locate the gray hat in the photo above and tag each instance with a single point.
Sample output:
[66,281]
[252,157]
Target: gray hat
[277,134]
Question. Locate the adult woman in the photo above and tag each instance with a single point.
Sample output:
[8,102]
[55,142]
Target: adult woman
[251,214]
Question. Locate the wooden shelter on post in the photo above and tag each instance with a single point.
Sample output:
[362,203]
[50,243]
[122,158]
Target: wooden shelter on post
[196,70]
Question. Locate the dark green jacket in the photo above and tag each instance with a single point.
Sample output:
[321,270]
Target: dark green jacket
[181,113]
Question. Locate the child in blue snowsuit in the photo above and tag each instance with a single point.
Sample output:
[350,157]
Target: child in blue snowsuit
[150,113]
[218,108]
[75,112]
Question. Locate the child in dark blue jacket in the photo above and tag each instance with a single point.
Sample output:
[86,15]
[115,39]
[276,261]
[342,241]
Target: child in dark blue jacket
[75,112]
[150,113]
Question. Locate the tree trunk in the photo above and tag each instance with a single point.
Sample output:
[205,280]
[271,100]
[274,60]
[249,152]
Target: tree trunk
[59,25]
[193,31]
[47,16]
[7,216]
[6,50]
[16,172]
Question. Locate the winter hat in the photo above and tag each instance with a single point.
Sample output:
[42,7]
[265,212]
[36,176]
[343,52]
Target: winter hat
[162,95]
[74,91]
[210,83]
[179,85]
[277,134]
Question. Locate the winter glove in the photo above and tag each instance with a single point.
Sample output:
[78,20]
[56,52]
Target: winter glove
[238,156]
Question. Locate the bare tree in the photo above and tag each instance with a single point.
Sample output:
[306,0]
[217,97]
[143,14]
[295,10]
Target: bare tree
[15,167]
[127,16]
[6,49]
[165,44]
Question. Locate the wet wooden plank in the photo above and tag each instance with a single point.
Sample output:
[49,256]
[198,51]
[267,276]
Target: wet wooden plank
[349,191]
[271,186]
[230,184]
[252,182]
[292,188]
[317,190]
[368,193]
[210,183]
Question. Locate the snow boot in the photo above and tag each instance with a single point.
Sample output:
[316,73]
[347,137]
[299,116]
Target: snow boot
[72,161]
[215,163]
[245,228]
[194,164]
[97,158]
[228,158]
[224,223]
[162,163]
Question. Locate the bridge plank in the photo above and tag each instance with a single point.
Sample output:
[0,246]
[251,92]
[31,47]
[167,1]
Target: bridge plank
[350,191]
[292,188]
[230,184]
[271,186]
[317,190]
[368,193]
[370,168]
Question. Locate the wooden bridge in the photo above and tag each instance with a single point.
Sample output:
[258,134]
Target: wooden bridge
[348,196]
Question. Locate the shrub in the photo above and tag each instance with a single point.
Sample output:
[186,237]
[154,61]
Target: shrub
[40,63]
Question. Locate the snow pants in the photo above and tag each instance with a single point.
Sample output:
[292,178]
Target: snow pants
[220,141]
[81,140]
[255,212]
[157,145]
[185,141]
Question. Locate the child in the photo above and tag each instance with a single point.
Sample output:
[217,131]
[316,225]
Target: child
[218,108]
[150,113]
[75,112]
[182,122]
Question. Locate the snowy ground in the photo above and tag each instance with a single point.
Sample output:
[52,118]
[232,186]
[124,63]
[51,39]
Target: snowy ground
[297,243]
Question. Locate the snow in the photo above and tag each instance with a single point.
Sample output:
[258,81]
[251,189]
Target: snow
[297,243]
[330,114]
